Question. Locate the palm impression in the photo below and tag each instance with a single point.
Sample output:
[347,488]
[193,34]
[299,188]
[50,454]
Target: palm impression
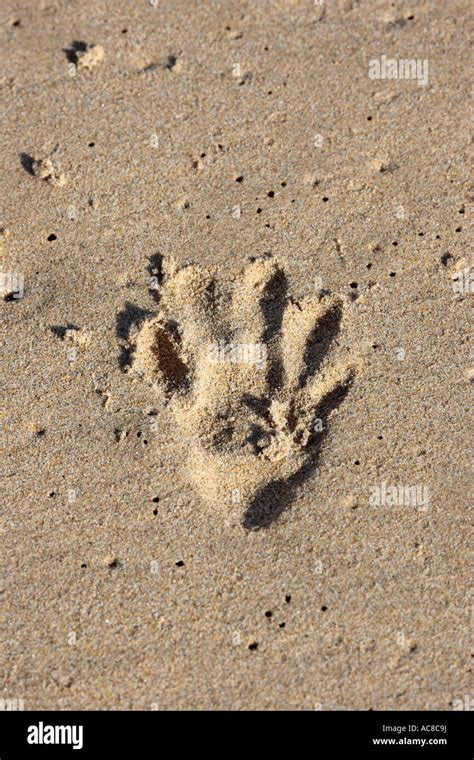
[247,379]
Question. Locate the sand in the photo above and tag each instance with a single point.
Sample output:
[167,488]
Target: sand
[235,315]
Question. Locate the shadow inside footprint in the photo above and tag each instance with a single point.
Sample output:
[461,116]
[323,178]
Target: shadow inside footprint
[319,342]
[273,306]
[173,370]
[259,406]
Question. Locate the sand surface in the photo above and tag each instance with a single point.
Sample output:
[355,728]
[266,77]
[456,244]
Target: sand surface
[183,528]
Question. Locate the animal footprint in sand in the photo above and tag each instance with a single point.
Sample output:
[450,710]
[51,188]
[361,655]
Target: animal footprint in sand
[250,395]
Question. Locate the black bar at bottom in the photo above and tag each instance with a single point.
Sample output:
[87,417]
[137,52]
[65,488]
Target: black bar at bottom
[118,734]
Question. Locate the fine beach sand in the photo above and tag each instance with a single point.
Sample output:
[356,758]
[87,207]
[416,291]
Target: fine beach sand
[238,373]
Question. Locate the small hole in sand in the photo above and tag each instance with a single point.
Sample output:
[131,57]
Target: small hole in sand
[239,178]
[259,211]
[323,608]
[369,265]
[179,563]
[392,274]
[380,437]
[268,613]
[145,442]
[253,646]
[288,598]
[208,216]
[395,242]
[369,118]
[84,564]
[155,511]
[40,433]
[282,625]
[325,199]
[170,62]
[356,461]
[458,229]
[420,234]
[438,237]
[353,284]
[91,144]
[51,494]
[156,499]
[124,31]
[16,22]
[52,237]
[445,259]
[271,193]
[139,434]
[283,184]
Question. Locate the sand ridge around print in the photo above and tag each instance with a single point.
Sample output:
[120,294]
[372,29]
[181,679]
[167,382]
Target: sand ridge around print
[236,289]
